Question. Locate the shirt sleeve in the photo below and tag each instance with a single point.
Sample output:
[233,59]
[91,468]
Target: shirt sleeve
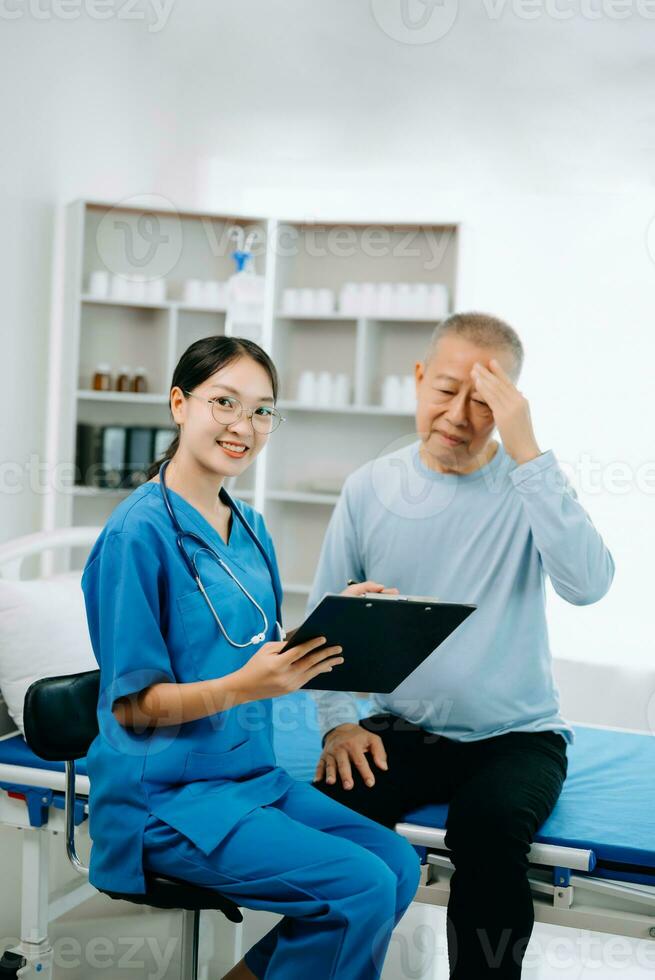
[573,554]
[340,559]
[125,595]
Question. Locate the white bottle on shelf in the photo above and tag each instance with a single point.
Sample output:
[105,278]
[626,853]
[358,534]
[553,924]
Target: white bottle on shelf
[369,299]
[403,300]
[438,300]
[245,296]
[193,292]
[156,290]
[306,391]
[307,301]
[385,299]
[324,388]
[392,392]
[99,283]
[119,288]
[341,390]
[408,393]
[137,288]
[421,298]
[290,301]
[324,302]
[350,299]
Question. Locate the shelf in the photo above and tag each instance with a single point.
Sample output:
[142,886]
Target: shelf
[246,495]
[82,491]
[170,304]
[303,497]
[405,319]
[291,406]
[325,442]
[131,397]
[354,318]
[189,308]
[141,304]
[316,316]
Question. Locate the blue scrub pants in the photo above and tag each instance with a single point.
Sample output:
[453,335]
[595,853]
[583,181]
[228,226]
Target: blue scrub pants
[340,880]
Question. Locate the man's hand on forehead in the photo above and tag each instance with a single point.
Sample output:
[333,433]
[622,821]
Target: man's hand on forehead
[510,410]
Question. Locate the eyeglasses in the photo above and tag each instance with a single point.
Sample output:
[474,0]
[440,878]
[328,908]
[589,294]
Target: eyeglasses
[225,410]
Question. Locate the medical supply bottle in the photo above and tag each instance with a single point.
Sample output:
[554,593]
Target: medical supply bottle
[140,381]
[124,381]
[102,377]
[245,298]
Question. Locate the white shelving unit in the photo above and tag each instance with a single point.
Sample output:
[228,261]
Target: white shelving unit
[296,481]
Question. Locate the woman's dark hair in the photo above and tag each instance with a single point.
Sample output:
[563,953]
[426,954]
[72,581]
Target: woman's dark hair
[204,358]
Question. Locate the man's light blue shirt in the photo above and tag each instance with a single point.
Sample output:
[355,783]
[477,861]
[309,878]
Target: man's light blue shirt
[488,537]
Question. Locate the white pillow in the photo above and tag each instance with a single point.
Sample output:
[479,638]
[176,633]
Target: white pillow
[43,632]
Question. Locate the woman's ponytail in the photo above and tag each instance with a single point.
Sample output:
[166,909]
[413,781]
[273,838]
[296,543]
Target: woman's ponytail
[153,469]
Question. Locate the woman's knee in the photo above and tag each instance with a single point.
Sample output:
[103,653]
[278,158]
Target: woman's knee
[374,879]
[402,859]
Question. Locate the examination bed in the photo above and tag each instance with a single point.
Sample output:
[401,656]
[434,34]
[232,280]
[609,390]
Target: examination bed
[592,863]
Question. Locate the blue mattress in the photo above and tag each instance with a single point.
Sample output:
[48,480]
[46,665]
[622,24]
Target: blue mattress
[14,752]
[607,803]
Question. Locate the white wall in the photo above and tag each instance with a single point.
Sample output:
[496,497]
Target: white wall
[110,109]
[531,132]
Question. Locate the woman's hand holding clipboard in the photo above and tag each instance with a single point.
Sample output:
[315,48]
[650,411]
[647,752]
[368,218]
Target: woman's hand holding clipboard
[385,636]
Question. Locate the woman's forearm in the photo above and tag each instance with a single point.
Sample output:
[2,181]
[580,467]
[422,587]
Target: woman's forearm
[173,704]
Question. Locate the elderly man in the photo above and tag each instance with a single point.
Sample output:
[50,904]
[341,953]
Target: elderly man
[462,517]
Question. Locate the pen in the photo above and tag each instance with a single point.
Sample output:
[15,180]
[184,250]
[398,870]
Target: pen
[351,581]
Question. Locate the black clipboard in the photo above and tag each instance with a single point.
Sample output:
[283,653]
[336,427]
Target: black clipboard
[384,637]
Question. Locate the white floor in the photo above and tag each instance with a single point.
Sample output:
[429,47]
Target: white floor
[108,939]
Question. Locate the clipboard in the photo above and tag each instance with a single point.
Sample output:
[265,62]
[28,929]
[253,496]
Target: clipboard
[384,637]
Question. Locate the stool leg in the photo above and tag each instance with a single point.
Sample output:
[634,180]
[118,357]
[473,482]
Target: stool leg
[190,937]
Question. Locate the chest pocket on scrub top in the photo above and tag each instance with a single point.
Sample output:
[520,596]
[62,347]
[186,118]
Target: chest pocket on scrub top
[211,653]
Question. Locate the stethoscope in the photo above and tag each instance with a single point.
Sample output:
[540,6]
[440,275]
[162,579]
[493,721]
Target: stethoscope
[191,565]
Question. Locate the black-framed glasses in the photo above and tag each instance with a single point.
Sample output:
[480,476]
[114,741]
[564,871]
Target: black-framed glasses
[226,409]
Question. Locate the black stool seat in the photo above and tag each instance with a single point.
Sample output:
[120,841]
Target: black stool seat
[174,893]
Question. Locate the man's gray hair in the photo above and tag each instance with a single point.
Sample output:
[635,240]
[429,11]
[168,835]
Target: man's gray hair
[481,329]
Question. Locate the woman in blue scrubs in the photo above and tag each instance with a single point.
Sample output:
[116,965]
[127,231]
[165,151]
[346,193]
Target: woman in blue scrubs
[183,774]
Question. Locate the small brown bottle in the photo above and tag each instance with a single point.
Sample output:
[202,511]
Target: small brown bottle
[140,382]
[102,378]
[124,381]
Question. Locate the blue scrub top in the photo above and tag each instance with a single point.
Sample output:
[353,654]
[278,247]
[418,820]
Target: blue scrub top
[148,622]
